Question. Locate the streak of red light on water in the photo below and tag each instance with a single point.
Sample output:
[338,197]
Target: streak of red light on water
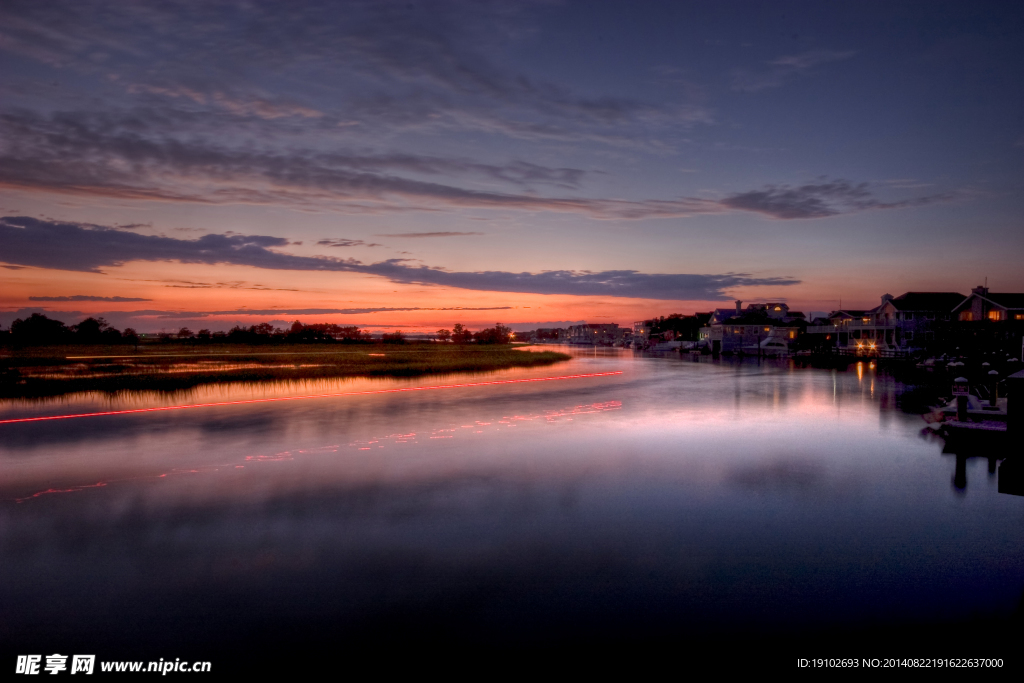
[299,398]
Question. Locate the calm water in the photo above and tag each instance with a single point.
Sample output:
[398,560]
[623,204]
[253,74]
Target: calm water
[676,498]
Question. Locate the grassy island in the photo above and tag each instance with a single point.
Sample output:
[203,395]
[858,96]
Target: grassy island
[50,371]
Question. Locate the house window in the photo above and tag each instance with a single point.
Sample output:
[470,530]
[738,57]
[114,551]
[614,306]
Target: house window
[995,315]
[966,315]
[908,316]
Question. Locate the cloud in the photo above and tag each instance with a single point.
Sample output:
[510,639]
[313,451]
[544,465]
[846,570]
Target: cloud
[783,69]
[86,247]
[92,156]
[119,156]
[81,297]
[430,234]
[341,242]
[374,65]
[817,200]
[311,311]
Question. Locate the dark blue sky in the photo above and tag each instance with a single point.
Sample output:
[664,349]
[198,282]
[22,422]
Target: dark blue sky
[568,160]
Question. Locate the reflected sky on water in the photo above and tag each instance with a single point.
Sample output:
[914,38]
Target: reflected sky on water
[678,496]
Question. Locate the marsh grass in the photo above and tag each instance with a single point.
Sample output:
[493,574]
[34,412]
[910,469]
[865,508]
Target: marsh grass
[51,371]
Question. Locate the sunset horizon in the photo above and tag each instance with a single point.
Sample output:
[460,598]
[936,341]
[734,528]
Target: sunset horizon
[395,167]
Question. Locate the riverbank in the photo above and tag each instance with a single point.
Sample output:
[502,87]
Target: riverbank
[51,371]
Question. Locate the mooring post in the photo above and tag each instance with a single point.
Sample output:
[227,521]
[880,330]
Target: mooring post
[993,399]
[1015,405]
[961,389]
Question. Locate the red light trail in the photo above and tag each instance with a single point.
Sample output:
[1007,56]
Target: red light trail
[299,398]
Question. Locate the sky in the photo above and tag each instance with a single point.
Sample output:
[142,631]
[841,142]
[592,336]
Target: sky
[410,165]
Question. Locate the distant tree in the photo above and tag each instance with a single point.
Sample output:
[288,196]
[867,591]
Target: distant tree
[444,335]
[460,335]
[684,327]
[204,335]
[90,331]
[185,333]
[351,334]
[37,329]
[263,329]
[130,336]
[499,334]
[393,337]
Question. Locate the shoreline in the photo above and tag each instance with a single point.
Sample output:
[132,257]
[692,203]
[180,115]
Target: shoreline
[56,371]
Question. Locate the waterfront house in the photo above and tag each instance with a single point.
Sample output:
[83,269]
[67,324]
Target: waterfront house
[990,321]
[597,334]
[745,331]
[897,325]
[985,305]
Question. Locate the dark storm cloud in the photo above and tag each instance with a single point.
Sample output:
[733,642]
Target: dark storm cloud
[84,297]
[82,247]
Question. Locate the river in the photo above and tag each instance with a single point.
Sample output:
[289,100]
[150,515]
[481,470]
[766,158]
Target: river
[670,500]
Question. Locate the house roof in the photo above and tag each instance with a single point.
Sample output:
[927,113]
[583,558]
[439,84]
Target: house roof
[927,301]
[1006,299]
[757,320]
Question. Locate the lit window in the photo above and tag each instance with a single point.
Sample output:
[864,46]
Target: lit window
[995,315]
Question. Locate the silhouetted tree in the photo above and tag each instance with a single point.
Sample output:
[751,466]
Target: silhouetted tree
[499,334]
[460,335]
[37,329]
[130,336]
[90,331]
[444,335]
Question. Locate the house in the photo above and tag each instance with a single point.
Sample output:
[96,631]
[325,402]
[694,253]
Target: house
[597,334]
[917,318]
[990,321]
[898,324]
[739,330]
[985,305]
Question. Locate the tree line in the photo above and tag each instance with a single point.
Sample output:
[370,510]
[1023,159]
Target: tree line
[39,330]
[499,334]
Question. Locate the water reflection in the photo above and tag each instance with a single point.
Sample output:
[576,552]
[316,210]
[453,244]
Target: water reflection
[678,496]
